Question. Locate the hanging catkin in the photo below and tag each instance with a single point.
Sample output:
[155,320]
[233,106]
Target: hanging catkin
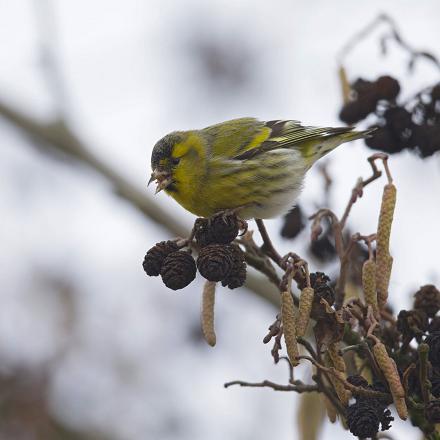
[304,309]
[289,326]
[207,312]
[389,370]
[383,258]
[369,284]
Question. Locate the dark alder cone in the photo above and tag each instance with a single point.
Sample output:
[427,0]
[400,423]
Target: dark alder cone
[178,270]
[293,223]
[432,411]
[399,122]
[219,229]
[202,232]
[322,287]
[384,140]
[224,229]
[355,111]
[156,255]
[363,419]
[387,87]
[237,275]
[427,298]
[434,325]
[412,322]
[215,262]
[357,380]
[433,340]
[427,139]
[323,248]
[435,93]
[435,382]
[320,282]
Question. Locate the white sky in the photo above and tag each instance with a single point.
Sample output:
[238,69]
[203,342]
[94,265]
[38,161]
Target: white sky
[131,370]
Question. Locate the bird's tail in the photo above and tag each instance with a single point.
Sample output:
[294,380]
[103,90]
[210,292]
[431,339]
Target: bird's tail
[336,137]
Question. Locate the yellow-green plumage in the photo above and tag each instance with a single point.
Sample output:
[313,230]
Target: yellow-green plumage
[244,163]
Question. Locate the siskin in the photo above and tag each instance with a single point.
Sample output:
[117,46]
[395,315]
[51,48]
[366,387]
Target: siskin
[251,167]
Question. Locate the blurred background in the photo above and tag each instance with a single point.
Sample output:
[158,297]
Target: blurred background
[90,348]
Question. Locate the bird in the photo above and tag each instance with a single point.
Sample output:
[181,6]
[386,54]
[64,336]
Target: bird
[245,166]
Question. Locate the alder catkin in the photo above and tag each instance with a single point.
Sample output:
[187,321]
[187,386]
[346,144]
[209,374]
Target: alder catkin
[383,257]
[289,326]
[369,284]
[389,370]
[384,265]
[304,309]
[341,392]
[330,409]
[336,357]
[386,217]
[207,313]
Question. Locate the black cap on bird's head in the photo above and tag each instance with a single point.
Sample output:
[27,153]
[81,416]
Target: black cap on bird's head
[162,162]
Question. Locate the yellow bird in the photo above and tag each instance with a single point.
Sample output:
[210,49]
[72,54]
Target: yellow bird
[252,167]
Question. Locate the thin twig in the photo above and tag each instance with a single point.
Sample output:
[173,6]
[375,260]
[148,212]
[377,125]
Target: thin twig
[268,246]
[347,385]
[394,35]
[299,387]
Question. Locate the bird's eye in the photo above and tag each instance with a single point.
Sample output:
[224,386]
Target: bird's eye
[175,161]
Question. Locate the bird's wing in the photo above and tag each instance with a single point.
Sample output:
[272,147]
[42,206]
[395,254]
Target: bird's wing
[286,134]
[231,138]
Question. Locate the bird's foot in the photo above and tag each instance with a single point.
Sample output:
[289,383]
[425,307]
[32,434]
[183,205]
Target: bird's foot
[233,212]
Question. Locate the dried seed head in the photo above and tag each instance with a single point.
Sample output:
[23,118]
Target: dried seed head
[237,275]
[178,270]
[156,255]
[215,262]
[389,370]
[305,307]
[289,326]
[207,313]
[369,284]
[427,298]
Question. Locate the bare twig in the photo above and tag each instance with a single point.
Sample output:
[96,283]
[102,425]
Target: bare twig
[298,387]
[393,35]
[347,385]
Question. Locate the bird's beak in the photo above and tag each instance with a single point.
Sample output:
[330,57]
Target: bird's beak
[163,179]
